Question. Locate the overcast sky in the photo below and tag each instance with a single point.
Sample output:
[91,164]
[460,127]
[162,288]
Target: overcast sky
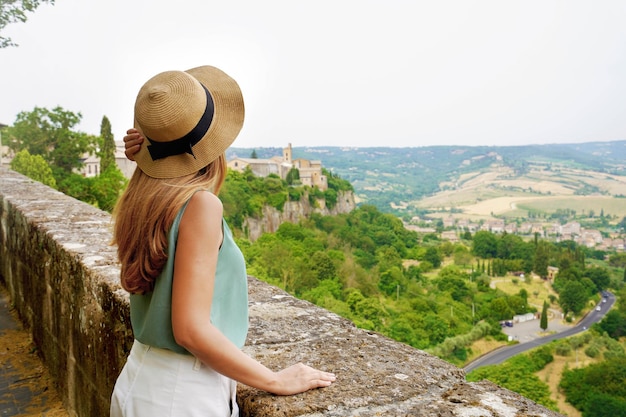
[340,72]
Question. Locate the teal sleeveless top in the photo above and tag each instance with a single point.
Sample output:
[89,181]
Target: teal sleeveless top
[151,313]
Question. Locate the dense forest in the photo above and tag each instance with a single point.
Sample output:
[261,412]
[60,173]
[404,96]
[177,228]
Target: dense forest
[432,294]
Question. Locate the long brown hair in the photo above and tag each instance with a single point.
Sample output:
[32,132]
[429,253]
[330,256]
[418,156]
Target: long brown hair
[144,215]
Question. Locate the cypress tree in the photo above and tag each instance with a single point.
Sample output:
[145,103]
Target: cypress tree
[107,152]
[544,317]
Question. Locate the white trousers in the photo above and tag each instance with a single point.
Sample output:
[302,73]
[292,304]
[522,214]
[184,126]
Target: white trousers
[161,383]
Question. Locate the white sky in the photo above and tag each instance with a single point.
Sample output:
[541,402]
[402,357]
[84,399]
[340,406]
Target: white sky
[340,72]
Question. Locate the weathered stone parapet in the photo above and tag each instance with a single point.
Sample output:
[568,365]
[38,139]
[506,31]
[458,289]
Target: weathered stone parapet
[61,273]
[63,279]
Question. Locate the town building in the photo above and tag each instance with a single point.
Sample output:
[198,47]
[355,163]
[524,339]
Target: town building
[91,166]
[450,235]
[310,171]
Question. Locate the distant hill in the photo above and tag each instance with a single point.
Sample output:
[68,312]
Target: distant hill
[411,180]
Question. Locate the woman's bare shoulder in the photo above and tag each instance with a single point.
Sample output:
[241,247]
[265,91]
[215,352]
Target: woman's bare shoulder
[207,198]
[204,204]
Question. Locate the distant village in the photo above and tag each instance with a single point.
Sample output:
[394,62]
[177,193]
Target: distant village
[590,238]
[310,171]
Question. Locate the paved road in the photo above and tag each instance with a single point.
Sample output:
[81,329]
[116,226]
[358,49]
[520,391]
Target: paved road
[525,331]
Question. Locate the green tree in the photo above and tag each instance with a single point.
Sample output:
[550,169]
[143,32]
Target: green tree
[33,166]
[335,182]
[107,187]
[323,266]
[79,187]
[542,258]
[598,389]
[368,312]
[500,309]
[107,145]
[49,133]
[544,317]
[12,11]
[403,329]
[618,260]
[614,324]
[391,281]
[433,256]
[292,176]
[388,257]
[282,261]
[573,297]
[484,244]
[510,246]
[462,256]
[600,277]
[253,155]
[330,196]
[436,328]
[455,286]
[292,231]
[326,289]
[604,405]
[517,303]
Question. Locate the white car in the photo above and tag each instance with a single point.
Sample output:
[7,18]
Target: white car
[598,308]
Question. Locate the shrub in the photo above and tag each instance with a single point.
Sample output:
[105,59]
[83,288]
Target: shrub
[563,349]
[592,351]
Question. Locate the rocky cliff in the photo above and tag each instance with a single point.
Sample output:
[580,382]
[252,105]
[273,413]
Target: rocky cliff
[293,211]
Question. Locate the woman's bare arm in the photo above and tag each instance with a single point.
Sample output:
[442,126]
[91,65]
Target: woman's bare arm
[199,239]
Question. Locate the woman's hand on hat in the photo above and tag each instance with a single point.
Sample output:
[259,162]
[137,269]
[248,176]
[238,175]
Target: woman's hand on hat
[132,143]
[299,378]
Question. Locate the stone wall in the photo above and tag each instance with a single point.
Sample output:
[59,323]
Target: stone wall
[62,276]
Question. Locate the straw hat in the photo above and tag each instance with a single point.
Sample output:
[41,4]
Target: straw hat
[189,118]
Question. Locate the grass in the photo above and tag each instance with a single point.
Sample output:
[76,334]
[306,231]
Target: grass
[483,346]
[551,375]
[538,290]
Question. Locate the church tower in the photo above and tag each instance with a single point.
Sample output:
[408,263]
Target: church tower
[287,155]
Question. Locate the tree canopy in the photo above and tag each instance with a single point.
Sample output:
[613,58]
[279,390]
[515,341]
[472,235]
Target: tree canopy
[50,150]
[51,134]
[33,166]
[12,11]
[598,389]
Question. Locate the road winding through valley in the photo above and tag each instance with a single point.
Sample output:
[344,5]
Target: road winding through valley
[529,328]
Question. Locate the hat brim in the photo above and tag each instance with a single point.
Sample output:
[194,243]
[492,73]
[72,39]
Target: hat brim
[227,122]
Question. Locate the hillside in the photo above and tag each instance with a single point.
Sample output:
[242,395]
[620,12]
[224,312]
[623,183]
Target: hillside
[431,294]
[409,181]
